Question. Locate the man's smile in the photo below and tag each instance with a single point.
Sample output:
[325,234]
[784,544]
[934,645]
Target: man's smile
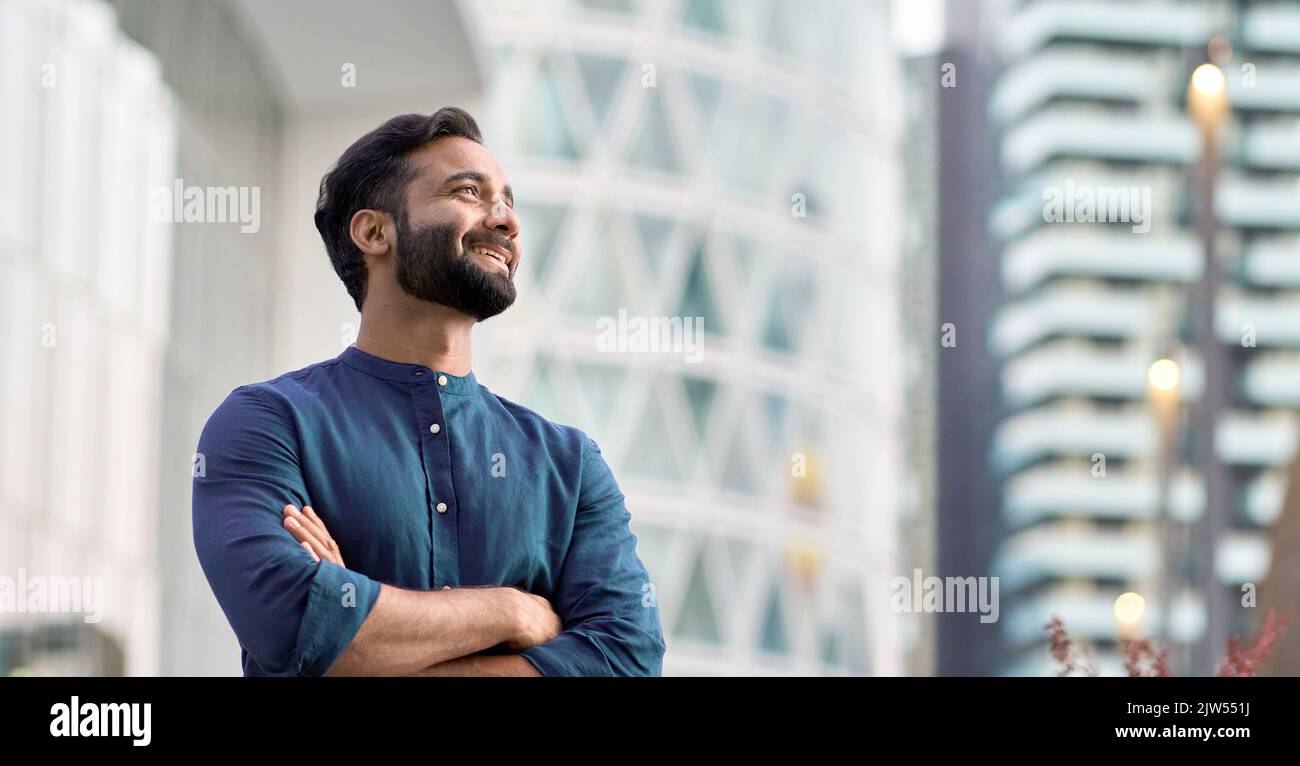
[499,257]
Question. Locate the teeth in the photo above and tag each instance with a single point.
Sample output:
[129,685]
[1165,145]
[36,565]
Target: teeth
[490,253]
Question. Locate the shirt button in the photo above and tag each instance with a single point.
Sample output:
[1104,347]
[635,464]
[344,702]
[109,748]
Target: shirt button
[442,380]
[435,428]
[442,507]
[446,587]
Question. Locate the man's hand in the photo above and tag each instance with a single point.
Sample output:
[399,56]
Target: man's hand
[530,618]
[310,532]
[535,621]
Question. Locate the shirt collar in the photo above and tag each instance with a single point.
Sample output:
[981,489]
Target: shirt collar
[405,372]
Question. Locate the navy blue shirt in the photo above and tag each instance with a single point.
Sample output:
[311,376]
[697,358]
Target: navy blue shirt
[426,481]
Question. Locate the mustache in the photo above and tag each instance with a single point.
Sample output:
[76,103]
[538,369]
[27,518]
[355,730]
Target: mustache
[505,243]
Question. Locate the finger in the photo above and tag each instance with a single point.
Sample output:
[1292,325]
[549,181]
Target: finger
[316,526]
[313,545]
[326,550]
[329,539]
[317,529]
[304,535]
[322,535]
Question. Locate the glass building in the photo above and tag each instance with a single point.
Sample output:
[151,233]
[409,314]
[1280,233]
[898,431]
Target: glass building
[1091,96]
[738,163]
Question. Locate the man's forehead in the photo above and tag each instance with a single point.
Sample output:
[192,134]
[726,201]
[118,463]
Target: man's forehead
[447,156]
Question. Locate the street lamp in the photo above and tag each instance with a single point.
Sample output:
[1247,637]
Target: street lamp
[1164,375]
[1207,101]
[1130,608]
[1164,379]
[1208,94]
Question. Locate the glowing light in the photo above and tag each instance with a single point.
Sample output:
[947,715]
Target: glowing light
[1164,374]
[1129,608]
[1208,80]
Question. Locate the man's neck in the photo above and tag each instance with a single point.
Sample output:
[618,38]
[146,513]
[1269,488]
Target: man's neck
[417,332]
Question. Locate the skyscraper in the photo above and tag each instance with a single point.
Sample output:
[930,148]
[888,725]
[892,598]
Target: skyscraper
[1098,251]
[737,163]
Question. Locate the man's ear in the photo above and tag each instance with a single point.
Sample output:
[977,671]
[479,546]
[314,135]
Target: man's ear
[372,231]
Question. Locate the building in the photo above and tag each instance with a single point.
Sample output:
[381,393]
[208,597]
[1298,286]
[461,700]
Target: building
[693,159]
[1090,99]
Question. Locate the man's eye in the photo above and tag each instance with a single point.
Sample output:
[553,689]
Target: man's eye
[469,189]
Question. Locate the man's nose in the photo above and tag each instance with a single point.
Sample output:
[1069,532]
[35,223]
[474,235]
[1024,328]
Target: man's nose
[502,218]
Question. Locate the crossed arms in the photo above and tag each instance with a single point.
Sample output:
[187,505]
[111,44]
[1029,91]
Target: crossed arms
[298,612]
[431,633]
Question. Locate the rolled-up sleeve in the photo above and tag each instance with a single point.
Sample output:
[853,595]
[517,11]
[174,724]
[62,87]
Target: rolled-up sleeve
[604,597]
[292,616]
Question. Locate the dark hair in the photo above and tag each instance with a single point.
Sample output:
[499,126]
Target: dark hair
[373,174]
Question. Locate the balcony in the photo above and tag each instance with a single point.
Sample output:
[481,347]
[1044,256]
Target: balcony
[1071,430]
[1075,251]
[1073,310]
[1067,550]
[1273,262]
[1052,74]
[1096,134]
[1163,23]
[1069,490]
[1274,28]
[1068,367]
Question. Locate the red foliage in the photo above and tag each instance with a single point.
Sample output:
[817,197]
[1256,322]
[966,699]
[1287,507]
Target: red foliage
[1244,660]
[1142,659]
[1067,655]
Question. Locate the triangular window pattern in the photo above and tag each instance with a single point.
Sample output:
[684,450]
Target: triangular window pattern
[654,148]
[597,289]
[540,225]
[600,386]
[700,395]
[698,620]
[698,298]
[706,93]
[656,235]
[652,444]
[546,129]
[774,634]
[789,310]
[738,472]
[601,77]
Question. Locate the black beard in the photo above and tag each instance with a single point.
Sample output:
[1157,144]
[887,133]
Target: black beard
[433,266]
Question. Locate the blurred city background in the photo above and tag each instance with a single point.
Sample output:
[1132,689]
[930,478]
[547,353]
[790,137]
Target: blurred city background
[910,368]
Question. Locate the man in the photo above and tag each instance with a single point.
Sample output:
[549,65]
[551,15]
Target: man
[382,513]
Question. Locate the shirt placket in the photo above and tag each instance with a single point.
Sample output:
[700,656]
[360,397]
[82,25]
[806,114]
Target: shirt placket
[444,566]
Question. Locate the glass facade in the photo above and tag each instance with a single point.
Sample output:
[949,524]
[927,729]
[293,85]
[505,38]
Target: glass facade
[690,160]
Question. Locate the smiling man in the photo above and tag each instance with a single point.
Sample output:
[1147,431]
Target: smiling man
[384,513]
